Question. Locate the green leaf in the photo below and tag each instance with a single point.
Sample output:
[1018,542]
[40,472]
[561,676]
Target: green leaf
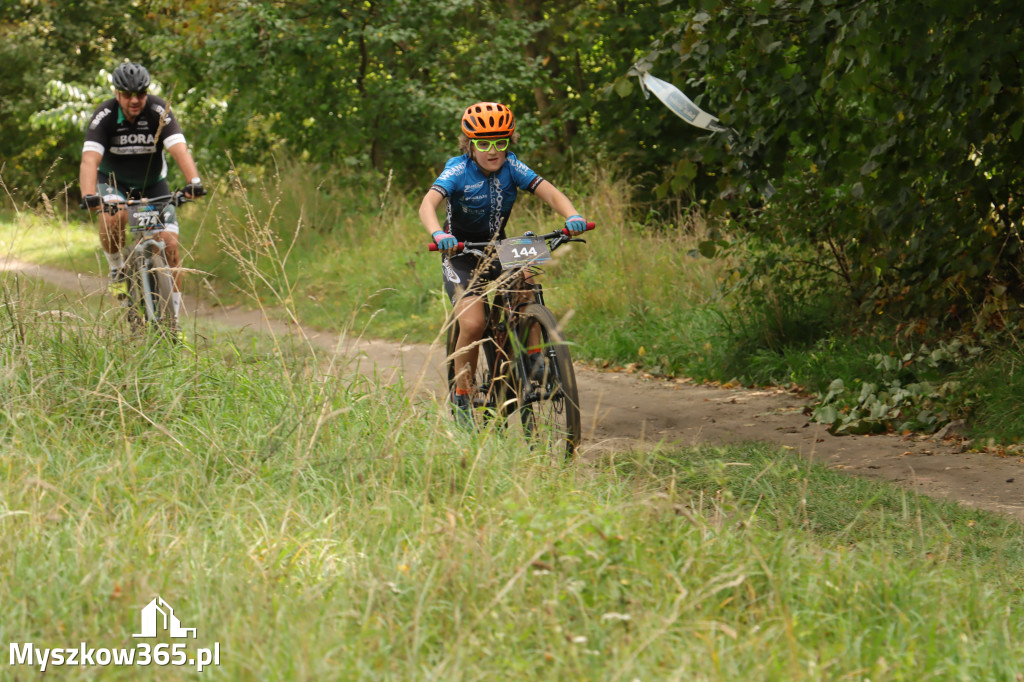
[708,249]
[624,87]
[1015,129]
[686,169]
[836,388]
[825,414]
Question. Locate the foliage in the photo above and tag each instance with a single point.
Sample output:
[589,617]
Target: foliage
[914,392]
[376,85]
[382,84]
[997,417]
[75,103]
[67,42]
[892,131]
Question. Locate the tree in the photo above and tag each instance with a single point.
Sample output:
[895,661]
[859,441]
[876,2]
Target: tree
[50,41]
[892,130]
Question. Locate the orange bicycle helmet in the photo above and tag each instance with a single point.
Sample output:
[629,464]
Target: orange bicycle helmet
[487,121]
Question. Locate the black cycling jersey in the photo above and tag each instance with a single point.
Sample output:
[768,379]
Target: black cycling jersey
[133,153]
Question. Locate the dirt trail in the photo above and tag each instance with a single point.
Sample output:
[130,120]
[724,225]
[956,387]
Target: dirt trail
[625,411]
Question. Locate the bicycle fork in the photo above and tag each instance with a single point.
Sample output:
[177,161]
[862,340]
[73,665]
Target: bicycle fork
[143,250]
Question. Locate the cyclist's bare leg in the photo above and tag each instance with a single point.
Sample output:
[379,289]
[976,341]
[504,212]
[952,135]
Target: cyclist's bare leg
[173,255]
[112,231]
[469,311]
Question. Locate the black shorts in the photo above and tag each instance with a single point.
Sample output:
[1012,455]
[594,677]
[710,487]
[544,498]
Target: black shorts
[157,189]
[468,274]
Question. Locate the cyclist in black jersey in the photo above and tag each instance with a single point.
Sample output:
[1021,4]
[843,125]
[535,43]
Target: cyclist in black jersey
[123,157]
[480,187]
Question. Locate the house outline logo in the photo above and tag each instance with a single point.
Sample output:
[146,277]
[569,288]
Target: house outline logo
[171,624]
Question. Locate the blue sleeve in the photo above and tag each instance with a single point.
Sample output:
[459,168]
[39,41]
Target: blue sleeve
[524,176]
[452,178]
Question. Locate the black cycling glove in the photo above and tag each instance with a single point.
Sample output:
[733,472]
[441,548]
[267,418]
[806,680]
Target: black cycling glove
[195,188]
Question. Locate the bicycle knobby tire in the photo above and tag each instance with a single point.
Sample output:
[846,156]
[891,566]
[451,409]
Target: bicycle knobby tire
[549,409]
[162,285]
[158,312]
[135,303]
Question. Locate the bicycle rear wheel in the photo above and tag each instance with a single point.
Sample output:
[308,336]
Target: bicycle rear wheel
[549,405]
[490,381]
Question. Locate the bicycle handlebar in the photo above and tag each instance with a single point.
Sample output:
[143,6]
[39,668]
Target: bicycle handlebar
[177,198]
[564,232]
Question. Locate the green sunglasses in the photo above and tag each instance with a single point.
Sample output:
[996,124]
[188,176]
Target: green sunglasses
[487,145]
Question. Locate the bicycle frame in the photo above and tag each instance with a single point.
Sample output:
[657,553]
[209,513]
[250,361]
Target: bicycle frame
[505,306]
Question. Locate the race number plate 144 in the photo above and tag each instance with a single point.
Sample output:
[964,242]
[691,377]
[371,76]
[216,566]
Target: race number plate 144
[519,251]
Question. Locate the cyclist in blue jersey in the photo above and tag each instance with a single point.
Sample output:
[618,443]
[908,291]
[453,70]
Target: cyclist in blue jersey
[480,188]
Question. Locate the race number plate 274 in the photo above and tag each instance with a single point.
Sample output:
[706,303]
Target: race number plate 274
[145,217]
[519,251]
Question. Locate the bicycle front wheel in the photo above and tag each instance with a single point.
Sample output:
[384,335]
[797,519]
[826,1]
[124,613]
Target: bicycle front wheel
[135,300]
[161,291]
[548,400]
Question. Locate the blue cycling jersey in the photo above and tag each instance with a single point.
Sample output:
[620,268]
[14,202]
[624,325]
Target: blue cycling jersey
[478,204]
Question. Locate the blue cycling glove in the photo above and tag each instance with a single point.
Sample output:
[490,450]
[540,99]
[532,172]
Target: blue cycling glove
[576,225]
[445,242]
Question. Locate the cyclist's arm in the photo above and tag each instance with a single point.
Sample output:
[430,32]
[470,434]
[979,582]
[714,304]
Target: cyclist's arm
[555,199]
[87,172]
[428,210]
[181,155]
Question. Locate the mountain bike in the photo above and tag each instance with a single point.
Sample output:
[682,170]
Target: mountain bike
[507,387]
[148,277]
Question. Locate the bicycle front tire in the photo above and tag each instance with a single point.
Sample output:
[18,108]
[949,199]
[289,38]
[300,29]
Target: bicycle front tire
[135,300]
[162,290]
[549,409]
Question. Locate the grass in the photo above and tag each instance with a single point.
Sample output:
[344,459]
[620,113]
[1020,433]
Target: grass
[998,414]
[321,526]
[40,239]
